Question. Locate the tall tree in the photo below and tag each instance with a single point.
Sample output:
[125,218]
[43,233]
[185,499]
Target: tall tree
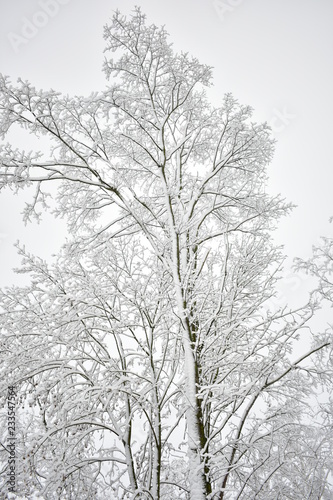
[153,323]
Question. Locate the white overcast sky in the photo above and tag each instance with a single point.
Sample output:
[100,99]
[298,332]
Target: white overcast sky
[275,55]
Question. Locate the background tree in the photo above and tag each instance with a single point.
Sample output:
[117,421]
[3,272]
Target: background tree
[321,267]
[154,321]
[90,342]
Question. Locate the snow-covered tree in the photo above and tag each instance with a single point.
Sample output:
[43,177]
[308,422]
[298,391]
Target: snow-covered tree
[94,349]
[320,266]
[147,354]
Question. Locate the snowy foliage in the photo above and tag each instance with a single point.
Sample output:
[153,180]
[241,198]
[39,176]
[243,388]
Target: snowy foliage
[146,360]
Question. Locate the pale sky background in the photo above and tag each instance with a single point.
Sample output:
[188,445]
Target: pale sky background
[275,55]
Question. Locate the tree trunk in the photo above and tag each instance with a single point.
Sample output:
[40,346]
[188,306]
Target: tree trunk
[197,481]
